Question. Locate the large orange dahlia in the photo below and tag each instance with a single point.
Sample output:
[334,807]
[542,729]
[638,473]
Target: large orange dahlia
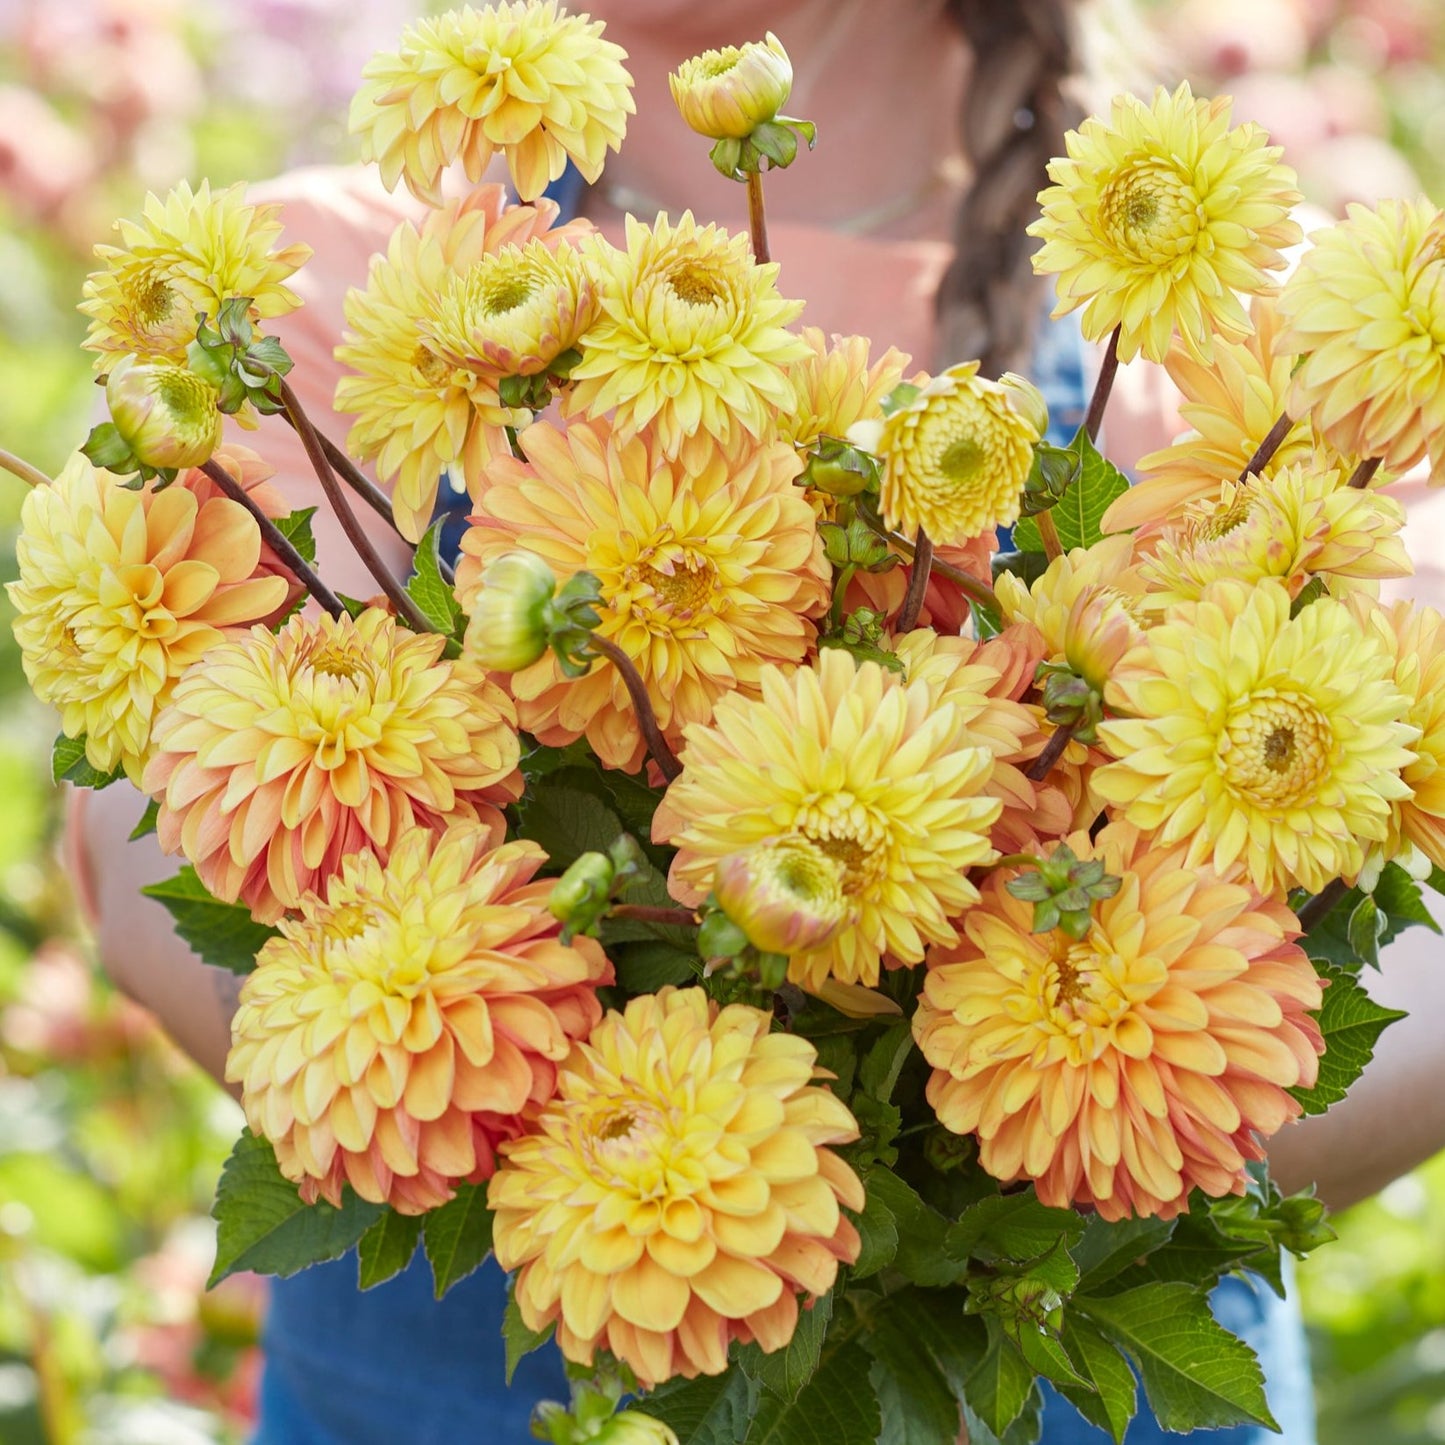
[396,1033]
[1147,1059]
[678,1192]
[279,755]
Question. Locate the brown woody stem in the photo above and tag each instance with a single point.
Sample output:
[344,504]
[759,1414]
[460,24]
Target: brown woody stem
[1314,909]
[1049,534]
[1103,386]
[972,588]
[757,218]
[1364,474]
[662,755]
[1039,769]
[917,583]
[1273,441]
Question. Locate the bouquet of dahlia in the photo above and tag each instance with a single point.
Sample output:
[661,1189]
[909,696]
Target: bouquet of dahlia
[844,975]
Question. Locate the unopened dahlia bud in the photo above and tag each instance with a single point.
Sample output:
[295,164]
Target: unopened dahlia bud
[727,94]
[1027,400]
[786,894]
[632,1427]
[508,627]
[166,415]
[580,896]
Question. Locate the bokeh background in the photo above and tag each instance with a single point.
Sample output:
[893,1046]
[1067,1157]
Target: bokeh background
[110,1143]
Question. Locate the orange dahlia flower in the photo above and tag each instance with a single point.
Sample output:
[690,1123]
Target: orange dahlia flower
[679,1190]
[1136,1064]
[396,1033]
[279,755]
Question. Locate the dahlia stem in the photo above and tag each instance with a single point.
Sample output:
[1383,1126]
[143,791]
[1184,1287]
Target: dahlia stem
[758,218]
[662,755]
[1364,474]
[272,535]
[1039,769]
[917,583]
[1103,386]
[18,466]
[970,586]
[1313,910]
[1273,441]
[647,913]
[1053,546]
[355,532]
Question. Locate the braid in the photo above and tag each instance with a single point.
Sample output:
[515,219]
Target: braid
[1015,113]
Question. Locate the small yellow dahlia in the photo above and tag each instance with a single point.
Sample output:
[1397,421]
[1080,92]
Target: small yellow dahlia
[1366,306]
[1124,1069]
[836,384]
[728,93]
[1159,216]
[691,336]
[706,575]
[416,413]
[955,458]
[524,78]
[873,770]
[398,1031]
[281,754]
[786,894]
[1299,522]
[189,253]
[679,1191]
[119,592]
[514,311]
[1260,737]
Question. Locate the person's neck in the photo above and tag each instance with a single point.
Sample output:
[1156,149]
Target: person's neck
[882,83]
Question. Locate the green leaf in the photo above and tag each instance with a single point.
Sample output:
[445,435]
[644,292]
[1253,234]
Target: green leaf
[836,1407]
[1199,1252]
[263,1225]
[566,820]
[1000,1385]
[710,1410]
[1078,515]
[147,824]
[426,588]
[884,1061]
[785,1372]
[1106,1248]
[878,1231]
[921,1229]
[518,1339]
[458,1236]
[387,1248]
[223,934]
[1196,1374]
[1015,1226]
[296,528]
[1401,901]
[1110,1404]
[916,1403]
[1351,1021]
[645,967]
[68,765]
[1025,1430]
[956,1342]
[1046,1356]
[1364,930]
[354,605]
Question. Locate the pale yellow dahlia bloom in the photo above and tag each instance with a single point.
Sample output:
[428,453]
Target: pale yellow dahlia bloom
[1148,1059]
[119,592]
[188,253]
[1366,306]
[729,93]
[524,78]
[281,754]
[875,771]
[835,384]
[786,894]
[1260,738]
[679,1191]
[1159,216]
[956,457]
[691,336]
[404,1025]
[416,413]
[707,575]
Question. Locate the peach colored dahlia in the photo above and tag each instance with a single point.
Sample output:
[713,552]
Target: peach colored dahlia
[679,1191]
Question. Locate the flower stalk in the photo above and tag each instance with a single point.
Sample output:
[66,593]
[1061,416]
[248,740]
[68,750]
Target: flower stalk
[917,583]
[662,754]
[758,218]
[1104,384]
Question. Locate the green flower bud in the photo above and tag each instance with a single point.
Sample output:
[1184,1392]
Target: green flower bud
[632,1427]
[508,627]
[167,415]
[580,896]
[727,94]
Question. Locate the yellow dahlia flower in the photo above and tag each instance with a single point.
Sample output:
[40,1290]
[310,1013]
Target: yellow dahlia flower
[679,1190]
[119,592]
[523,78]
[955,458]
[786,894]
[1145,1060]
[1259,737]
[835,384]
[1299,522]
[189,253]
[691,336]
[1159,216]
[397,1032]
[706,575]
[280,755]
[416,413]
[514,311]
[1366,306]
[728,93]
[873,770]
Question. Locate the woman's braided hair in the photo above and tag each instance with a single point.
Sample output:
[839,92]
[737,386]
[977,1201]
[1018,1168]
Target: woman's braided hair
[1015,113]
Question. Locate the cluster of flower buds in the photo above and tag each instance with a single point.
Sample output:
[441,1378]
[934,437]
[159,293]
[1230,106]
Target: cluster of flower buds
[580,898]
[1063,889]
[594,1419]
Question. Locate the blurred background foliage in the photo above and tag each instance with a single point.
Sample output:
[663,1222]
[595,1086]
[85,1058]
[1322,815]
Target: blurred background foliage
[110,1143]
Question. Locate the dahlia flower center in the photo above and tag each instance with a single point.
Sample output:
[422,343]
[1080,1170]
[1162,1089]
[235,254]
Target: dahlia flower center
[434,370]
[150,300]
[1276,749]
[716,62]
[624,1142]
[667,580]
[696,284]
[1150,212]
[1086,990]
[1226,517]
[842,827]
[962,459]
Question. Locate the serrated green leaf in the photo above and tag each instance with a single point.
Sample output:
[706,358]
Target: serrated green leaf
[147,824]
[1199,1253]
[1111,1402]
[263,1225]
[1108,1247]
[1196,1374]
[518,1340]
[837,1407]
[878,1233]
[915,1401]
[68,764]
[885,1059]
[387,1248]
[296,528]
[956,1342]
[429,591]
[223,934]
[1014,1226]
[1351,1022]
[458,1236]
[645,967]
[354,605]
[785,1372]
[710,1410]
[921,1229]
[1001,1382]
[1026,1430]
[1077,516]
[567,820]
